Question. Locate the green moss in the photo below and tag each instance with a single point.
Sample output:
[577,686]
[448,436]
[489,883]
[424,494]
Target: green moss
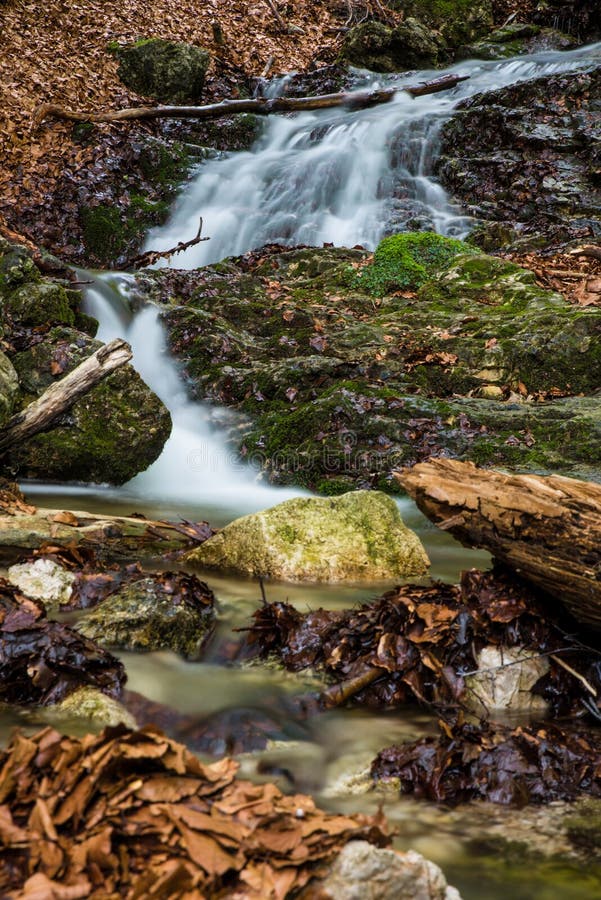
[406,261]
[103,232]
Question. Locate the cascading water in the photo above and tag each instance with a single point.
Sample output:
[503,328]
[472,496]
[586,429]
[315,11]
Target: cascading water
[331,176]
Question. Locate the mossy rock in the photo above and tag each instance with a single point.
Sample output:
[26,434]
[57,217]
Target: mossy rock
[169,71]
[38,303]
[366,364]
[146,616]
[356,537]
[458,22]
[375,46]
[97,708]
[115,431]
[518,39]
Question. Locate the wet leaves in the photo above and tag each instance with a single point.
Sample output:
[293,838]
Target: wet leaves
[421,641]
[134,814]
[42,661]
[528,764]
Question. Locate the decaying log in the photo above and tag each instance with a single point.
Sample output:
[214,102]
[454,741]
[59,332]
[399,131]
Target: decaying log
[258,106]
[548,529]
[61,395]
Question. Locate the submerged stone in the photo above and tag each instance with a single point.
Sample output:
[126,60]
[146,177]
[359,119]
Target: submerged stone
[356,537]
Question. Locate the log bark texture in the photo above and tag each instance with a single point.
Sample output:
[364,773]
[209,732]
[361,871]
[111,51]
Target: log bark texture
[548,529]
[261,107]
[61,395]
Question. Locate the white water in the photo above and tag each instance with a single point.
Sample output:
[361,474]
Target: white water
[338,177]
[329,176]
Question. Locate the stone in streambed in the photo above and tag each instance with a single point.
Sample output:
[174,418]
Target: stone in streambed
[91,704]
[44,580]
[355,537]
[170,71]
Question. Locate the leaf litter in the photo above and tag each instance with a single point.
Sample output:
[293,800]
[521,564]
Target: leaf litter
[134,814]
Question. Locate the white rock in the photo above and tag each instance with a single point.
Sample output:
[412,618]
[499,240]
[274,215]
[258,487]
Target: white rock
[364,872]
[505,679]
[43,580]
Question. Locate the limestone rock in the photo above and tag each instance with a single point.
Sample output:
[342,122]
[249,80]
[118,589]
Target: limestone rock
[90,703]
[505,681]
[44,580]
[170,71]
[358,536]
[145,615]
[364,872]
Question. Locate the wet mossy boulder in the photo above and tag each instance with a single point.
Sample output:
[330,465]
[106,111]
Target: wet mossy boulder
[169,71]
[345,365]
[359,536]
[97,708]
[456,22]
[375,46]
[115,431]
[518,39]
[156,613]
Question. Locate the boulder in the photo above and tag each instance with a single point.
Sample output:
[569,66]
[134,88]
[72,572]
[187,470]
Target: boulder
[375,46]
[43,579]
[149,614]
[115,431]
[364,872]
[457,22]
[169,71]
[518,39]
[359,536]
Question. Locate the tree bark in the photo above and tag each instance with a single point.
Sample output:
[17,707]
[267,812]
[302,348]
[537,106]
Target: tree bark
[548,529]
[61,395]
[261,107]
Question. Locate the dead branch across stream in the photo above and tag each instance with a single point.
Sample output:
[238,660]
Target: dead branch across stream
[258,106]
[61,395]
[546,528]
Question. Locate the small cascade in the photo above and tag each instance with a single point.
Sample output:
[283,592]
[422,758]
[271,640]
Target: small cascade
[340,177]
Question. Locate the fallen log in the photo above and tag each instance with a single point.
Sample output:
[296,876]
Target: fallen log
[61,395]
[258,106]
[547,529]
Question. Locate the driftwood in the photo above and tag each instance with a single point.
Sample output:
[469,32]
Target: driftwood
[258,106]
[61,395]
[150,257]
[548,529]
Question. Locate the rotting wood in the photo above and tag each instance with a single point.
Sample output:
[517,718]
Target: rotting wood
[61,395]
[546,528]
[258,106]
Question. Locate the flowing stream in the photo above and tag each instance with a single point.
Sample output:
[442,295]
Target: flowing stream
[329,176]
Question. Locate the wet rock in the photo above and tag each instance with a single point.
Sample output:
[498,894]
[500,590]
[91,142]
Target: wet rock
[363,872]
[505,680]
[375,46]
[8,387]
[91,704]
[518,39]
[528,156]
[44,580]
[115,431]
[170,71]
[345,367]
[457,22]
[359,536]
[166,612]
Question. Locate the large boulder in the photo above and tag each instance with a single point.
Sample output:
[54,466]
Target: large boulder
[519,39]
[375,46]
[367,364]
[357,537]
[456,22]
[169,71]
[115,431]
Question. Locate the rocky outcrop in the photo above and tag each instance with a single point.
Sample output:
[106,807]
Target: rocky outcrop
[169,71]
[530,156]
[375,46]
[345,367]
[357,537]
[518,39]
[115,431]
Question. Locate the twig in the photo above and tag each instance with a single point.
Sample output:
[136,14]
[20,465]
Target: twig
[276,15]
[268,66]
[340,693]
[151,256]
[576,674]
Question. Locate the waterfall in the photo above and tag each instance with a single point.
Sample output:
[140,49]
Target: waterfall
[331,176]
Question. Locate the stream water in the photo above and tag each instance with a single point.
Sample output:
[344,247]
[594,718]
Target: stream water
[345,178]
